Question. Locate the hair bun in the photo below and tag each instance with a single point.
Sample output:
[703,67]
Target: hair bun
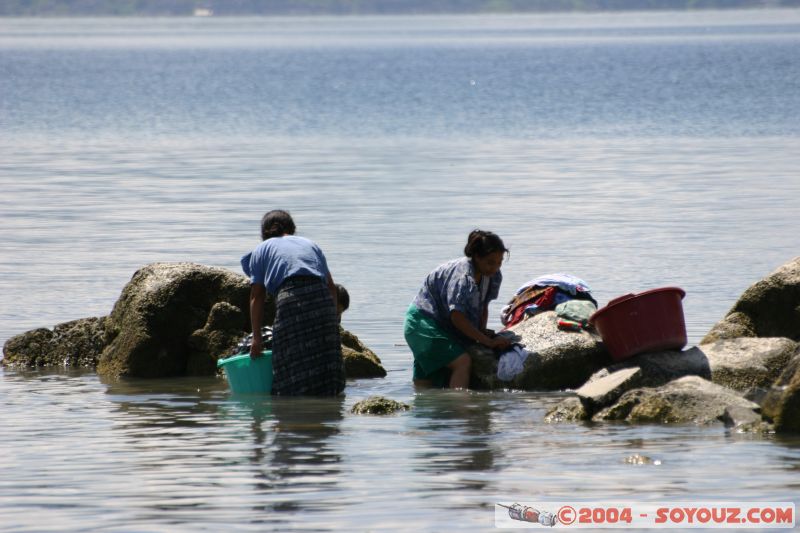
[482,243]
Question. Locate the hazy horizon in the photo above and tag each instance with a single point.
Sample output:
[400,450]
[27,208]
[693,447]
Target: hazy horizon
[223,8]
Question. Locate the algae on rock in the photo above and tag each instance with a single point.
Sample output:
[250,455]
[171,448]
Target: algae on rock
[378,405]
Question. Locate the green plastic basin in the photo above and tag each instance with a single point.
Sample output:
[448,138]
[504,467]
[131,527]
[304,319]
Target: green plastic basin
[247,375]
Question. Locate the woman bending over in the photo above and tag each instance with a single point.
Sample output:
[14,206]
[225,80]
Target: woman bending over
[451,311]
[306,349]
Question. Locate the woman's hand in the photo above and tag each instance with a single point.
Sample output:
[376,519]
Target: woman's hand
[256,348]
[461,323]
[499,343]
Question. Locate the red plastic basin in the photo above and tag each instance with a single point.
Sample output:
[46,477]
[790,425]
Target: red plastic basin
[650,321]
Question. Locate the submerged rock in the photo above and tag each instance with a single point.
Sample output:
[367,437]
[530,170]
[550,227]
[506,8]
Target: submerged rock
[378,405]
[690,399]
[558,359]
[637,459]
[745,420]
[568,410]
[768,308]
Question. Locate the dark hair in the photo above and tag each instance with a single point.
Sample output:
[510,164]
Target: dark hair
[483,243]
[342,296]
[276,223]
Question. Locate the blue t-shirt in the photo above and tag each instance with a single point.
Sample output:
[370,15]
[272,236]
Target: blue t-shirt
[278,258]
[452,287]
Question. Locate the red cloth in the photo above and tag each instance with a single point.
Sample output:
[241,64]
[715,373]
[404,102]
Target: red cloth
[544,300]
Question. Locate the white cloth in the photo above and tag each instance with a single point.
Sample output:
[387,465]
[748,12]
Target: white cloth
[511,362]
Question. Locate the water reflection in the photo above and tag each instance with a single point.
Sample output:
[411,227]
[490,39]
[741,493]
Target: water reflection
[292,449]
[183,455]
[276,457]
[455,432]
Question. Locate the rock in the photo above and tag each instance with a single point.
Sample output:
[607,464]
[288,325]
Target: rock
[659,368]
[745,420]
[644,370]
[756,394]
[172,319]
[484,369]
[77,343]
[637,459]
[782,402]
[768,308]
[748,363]
[164,304]
[378,405]
[359,361]
[558,359]
[605,386]
[568,410]
[735,324]
[217,339]
[29,349]
[598,393]
[688,399]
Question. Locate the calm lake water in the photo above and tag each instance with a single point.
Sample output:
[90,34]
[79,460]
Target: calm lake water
[632,150]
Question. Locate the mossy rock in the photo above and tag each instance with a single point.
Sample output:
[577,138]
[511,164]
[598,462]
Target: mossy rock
[76,344]
[782,402]
[568,410]
[164,304]
[690,399]
[172,319]
[359,361]
[378,405]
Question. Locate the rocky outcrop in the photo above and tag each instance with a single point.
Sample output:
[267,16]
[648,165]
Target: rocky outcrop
[218,337]
[743,356]
[558,359]
[748,363]
[645,370]
[649,388]
[658,368]
[600,392]
[738,365]
[568,410]
[172,319]
[77,344]
[745,420]
[768,308]
[782,401]
[159,310]
[690,399]
[359,361]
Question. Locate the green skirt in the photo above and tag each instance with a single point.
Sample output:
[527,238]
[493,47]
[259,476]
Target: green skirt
[432,346]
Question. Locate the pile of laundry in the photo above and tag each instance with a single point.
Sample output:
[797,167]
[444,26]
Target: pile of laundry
[570,297]
[245,344]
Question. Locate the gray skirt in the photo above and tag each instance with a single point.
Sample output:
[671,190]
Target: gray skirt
[306,348]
